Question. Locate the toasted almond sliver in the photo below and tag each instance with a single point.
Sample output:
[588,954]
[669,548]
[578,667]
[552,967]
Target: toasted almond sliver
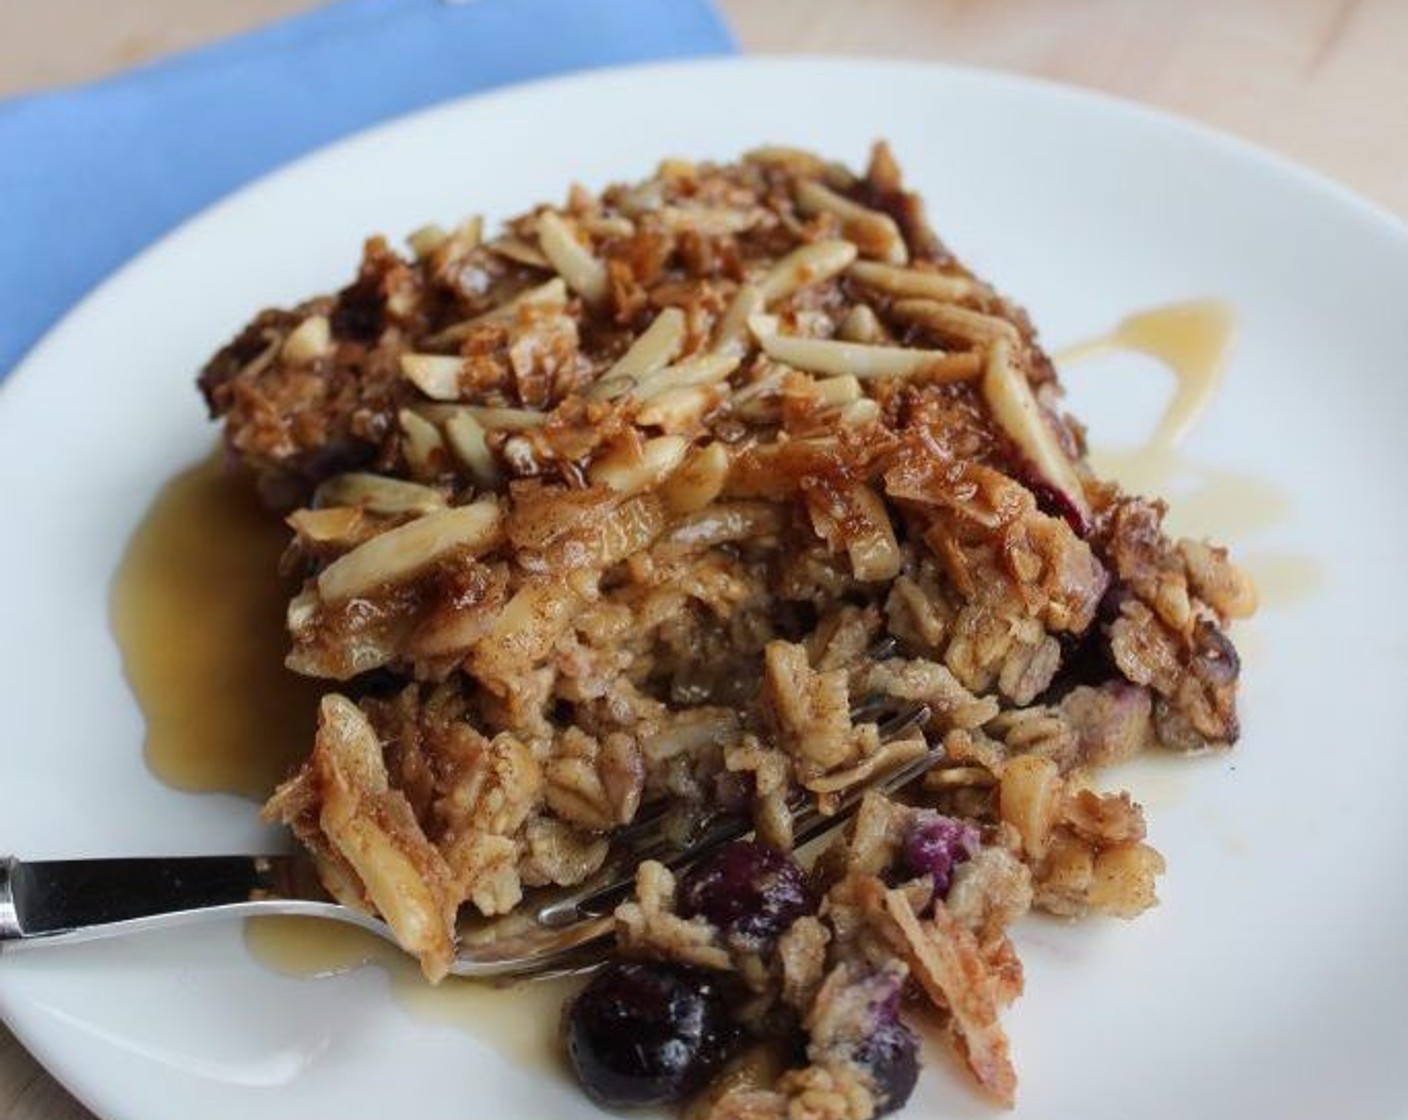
[861,324]
[656,348]
[874,233]
[500,419]
[704,370]
[911,282]
[799,161]
[627,472]
[712,221]
[699,481]
[435,375]
[335,523]
[466,437]
[758,402]
[762,325]
[1014,407]
[426,239]
[833,359]
[836,391]
[811,264]
[874,552]
[508,419]
[520,251]
[864,411]
[403,551]
[378,493]
[678,409]
[607,225]
[956,322]
[575,263]
[732,336]
[708,369]
[307,342]
[422,445]
[554,292]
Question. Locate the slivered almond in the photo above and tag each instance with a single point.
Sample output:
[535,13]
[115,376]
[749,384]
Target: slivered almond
[836,391]
[307,342]
[699,481]
[874,233]
[911,282]
[507,419]
[466,437]
[628,470]
[378,493]
[435,375]
[731,338]
[1014,407]
[433,241]
[422,445]
[678,409]
[554,292]
[426,239]
[336,523]
[811,264]
[956,322]
[401,552]
[575,263]
[656,347]
[708,369]
[704,370]
[516,249]
[858,359]
[863,411]
[861,324]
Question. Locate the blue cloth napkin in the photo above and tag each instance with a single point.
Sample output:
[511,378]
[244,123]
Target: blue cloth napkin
[90,175]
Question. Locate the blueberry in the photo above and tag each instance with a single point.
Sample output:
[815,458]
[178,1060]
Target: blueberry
[746,889]
[935,845]
[871,1037]
[644,1034]
[889,1055]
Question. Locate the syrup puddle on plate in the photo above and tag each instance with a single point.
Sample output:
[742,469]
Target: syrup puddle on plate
[518,1020]
[198,613]
[1193,341]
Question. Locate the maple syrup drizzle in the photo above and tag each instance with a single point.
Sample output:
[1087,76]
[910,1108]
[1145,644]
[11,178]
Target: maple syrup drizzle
[1193,341]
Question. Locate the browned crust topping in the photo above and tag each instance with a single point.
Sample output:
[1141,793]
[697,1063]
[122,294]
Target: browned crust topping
[608,509]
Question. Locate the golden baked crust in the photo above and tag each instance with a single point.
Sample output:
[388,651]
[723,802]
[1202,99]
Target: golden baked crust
[609,508]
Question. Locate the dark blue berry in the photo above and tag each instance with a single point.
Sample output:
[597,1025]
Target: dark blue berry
[747,890]
[886,1050]
[644,1034]
[935,845]
[889,1055]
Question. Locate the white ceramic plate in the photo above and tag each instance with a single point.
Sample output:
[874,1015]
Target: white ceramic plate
[1274,978]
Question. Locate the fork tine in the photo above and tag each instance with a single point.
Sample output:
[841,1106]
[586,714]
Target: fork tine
[808,823]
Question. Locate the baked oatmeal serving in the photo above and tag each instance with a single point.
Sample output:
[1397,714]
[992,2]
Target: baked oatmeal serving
[666,499]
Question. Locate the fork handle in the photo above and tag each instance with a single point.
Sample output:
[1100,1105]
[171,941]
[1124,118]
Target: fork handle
[60,901]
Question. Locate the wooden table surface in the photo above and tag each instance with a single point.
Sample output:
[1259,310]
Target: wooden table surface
[1322,81]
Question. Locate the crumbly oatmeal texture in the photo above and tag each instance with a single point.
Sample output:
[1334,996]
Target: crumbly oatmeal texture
[617,507]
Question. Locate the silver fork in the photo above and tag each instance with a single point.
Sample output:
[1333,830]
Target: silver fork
[60,902]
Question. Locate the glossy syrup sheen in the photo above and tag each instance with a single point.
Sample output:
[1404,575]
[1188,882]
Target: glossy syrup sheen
[1193,341]
[518,1020]
[198,613]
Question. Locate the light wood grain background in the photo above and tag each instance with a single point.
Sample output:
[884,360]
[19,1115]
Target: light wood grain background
[1322,81]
